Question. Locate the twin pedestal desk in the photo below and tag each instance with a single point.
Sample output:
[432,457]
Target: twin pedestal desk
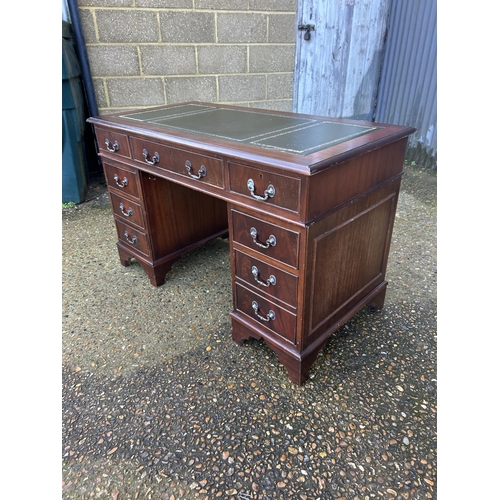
[308,202]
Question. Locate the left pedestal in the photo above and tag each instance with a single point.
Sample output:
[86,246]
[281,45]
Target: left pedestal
[157,221]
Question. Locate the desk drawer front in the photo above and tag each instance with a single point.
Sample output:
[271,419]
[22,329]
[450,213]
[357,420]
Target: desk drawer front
[124,180]
[132,237]
[266,278]
[271,240]
[266,187]
[112,143]
[128,210]
[277,319]
[194,166]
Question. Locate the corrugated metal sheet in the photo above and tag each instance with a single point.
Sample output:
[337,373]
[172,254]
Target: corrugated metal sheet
[408,83]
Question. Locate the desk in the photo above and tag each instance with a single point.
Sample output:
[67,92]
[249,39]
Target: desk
[308,204]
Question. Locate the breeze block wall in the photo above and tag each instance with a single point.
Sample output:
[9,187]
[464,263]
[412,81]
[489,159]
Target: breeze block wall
[151,52]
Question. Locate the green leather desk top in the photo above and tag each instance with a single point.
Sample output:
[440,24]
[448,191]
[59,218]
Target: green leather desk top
[292,134]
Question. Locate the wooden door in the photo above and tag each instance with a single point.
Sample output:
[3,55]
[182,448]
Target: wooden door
[337,69]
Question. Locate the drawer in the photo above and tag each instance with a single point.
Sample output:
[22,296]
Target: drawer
[124,180]
[195,166]
[112,142]
[267,187]
[128,210]
[264,312]
[266,278]
[132,237]
[269,239]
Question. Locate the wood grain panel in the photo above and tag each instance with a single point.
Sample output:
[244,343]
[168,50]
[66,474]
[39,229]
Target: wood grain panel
[180,217]
[332,187]
[348,258]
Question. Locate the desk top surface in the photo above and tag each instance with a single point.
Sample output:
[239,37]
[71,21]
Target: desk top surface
[292,134]
[297,138]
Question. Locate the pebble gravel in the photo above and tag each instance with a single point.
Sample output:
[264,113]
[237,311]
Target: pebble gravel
[159,403]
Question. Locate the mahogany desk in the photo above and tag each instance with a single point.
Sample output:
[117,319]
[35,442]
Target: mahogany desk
[308,203]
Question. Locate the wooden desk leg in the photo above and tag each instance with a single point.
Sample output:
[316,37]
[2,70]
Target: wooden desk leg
[125,257]
[377,303]
[157,273]
[297,368]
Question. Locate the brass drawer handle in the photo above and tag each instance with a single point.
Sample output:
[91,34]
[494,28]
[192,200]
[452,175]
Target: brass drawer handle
[269,192]
[128,213]
[270,281]
[154,160]
[201,173]
[270,314]
[112,149]
[132,240]
[271,241]
[122,184]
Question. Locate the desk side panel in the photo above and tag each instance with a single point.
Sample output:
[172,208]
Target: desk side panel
[331,187]
[346,261]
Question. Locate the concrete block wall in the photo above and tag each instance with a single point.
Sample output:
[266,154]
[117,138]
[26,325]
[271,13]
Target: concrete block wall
[152,52]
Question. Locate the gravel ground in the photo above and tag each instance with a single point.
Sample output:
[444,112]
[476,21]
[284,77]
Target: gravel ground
[159,403]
